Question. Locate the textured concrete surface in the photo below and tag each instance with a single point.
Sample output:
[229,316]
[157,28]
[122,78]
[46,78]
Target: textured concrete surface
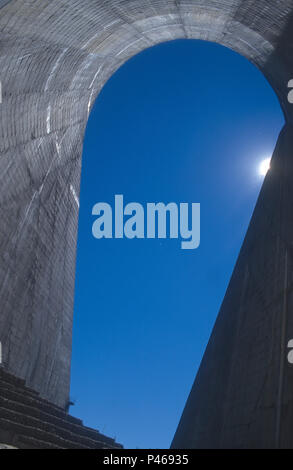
[55,56]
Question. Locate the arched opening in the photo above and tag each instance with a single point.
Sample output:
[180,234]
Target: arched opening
[186,121]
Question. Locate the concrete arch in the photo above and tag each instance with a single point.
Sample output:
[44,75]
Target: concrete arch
[55,57]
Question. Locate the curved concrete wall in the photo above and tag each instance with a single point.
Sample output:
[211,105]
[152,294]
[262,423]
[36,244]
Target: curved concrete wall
[55,56]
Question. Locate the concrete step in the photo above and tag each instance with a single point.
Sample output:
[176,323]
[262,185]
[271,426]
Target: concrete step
[24,390]
[19,384]
[37,403]
[11,378]
[49,428]
[28,392]
[26,442]
[52,419]
[35,433]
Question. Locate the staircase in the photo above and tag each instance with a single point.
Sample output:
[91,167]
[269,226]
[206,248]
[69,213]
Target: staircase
[27,421]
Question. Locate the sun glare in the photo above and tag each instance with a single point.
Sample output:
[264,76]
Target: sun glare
[264,166]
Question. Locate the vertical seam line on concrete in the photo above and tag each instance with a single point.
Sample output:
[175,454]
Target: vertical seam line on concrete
[282,354]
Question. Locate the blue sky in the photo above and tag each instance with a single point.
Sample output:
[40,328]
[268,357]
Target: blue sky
[185,121]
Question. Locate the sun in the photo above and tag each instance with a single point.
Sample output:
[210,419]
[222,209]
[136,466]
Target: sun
[264,166]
